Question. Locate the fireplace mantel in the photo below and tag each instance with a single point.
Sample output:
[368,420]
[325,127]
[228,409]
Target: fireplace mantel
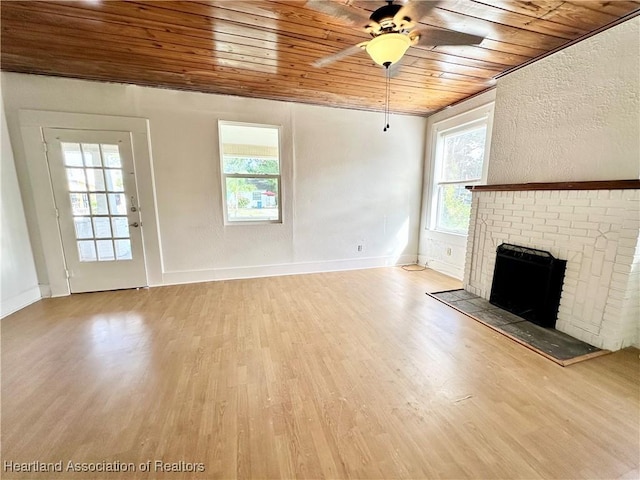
[590,185]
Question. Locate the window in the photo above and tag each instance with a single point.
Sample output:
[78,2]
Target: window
[250,158]
[461,150]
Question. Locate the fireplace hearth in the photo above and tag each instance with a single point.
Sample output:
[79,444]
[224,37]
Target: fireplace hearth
[528,282]
[549,342]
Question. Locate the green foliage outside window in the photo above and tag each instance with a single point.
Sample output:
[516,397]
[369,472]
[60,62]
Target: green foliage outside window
[455,208]
[461,164]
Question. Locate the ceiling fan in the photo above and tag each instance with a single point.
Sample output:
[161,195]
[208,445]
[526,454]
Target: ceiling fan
[392,28]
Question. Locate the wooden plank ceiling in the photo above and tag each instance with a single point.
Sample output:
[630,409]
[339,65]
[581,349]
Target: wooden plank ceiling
[265,48]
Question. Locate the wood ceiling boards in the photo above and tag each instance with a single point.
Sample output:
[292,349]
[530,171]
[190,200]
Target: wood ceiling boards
[265,48]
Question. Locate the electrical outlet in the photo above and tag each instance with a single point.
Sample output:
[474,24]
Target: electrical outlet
[449,251]
[359,248]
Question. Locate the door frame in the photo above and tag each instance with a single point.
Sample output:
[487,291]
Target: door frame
[97,274]
[47,240]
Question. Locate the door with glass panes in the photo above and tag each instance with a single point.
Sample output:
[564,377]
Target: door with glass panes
[94,186]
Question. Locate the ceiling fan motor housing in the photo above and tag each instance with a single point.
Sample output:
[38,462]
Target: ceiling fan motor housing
[385,18]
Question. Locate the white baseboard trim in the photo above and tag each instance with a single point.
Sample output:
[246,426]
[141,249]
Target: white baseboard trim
[234,273]
[442,267]
[18,302]
[45,291]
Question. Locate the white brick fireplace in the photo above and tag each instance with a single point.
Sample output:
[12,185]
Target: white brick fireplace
[595,230]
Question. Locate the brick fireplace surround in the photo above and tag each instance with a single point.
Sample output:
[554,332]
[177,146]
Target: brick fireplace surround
[595,226]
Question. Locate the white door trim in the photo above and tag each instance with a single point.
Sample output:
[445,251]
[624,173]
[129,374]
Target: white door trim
[32,123]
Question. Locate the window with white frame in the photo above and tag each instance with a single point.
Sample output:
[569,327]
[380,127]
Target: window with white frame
[461,154]
[250,165]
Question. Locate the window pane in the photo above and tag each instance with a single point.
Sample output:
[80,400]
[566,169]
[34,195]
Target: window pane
[83,227]
[114,180]
[251,165]
[105,250]
[72,154]
[87,251]
[95,179]
[252,199]
[454,208]
[123,249]
[91,153]
[79,203]
[120,227]
[111,156]
[463,155]
[117,204]
[102,227]
[77,180]
[250,149]
[98,204]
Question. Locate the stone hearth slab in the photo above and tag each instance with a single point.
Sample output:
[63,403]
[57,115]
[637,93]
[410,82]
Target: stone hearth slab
[549,342]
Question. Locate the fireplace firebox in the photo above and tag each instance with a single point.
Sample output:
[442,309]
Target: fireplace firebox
[528,283]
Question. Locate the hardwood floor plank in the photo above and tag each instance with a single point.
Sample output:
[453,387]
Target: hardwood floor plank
[354,374]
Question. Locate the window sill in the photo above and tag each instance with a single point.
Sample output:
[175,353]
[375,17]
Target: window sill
[444,232]
[253,222]
[450,238]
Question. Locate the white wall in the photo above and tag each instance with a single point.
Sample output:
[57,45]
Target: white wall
[572,116]
[18,282]
[443,251]
[345,182]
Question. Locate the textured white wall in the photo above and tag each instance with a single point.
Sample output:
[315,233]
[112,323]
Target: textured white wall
[345,182]
[355,184]
[572,116]
[18,282]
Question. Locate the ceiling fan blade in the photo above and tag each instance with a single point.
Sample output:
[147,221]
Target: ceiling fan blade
[324,61]
[435,37]
[415,10]
[351,15]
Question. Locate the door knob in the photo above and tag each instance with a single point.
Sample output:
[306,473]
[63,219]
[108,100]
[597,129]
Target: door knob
[134,224]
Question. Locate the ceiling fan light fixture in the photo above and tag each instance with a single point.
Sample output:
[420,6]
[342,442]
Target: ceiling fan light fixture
[388,48]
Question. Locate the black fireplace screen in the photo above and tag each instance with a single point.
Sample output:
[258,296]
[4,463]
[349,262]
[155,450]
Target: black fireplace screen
[528,283]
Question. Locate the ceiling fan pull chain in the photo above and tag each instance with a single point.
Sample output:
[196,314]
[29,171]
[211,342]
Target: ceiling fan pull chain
[387,96]
[387,99]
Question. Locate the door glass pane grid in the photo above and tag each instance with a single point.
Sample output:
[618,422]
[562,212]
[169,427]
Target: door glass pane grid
[99,209]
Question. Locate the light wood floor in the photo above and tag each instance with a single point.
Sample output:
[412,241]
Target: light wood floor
[335,375]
